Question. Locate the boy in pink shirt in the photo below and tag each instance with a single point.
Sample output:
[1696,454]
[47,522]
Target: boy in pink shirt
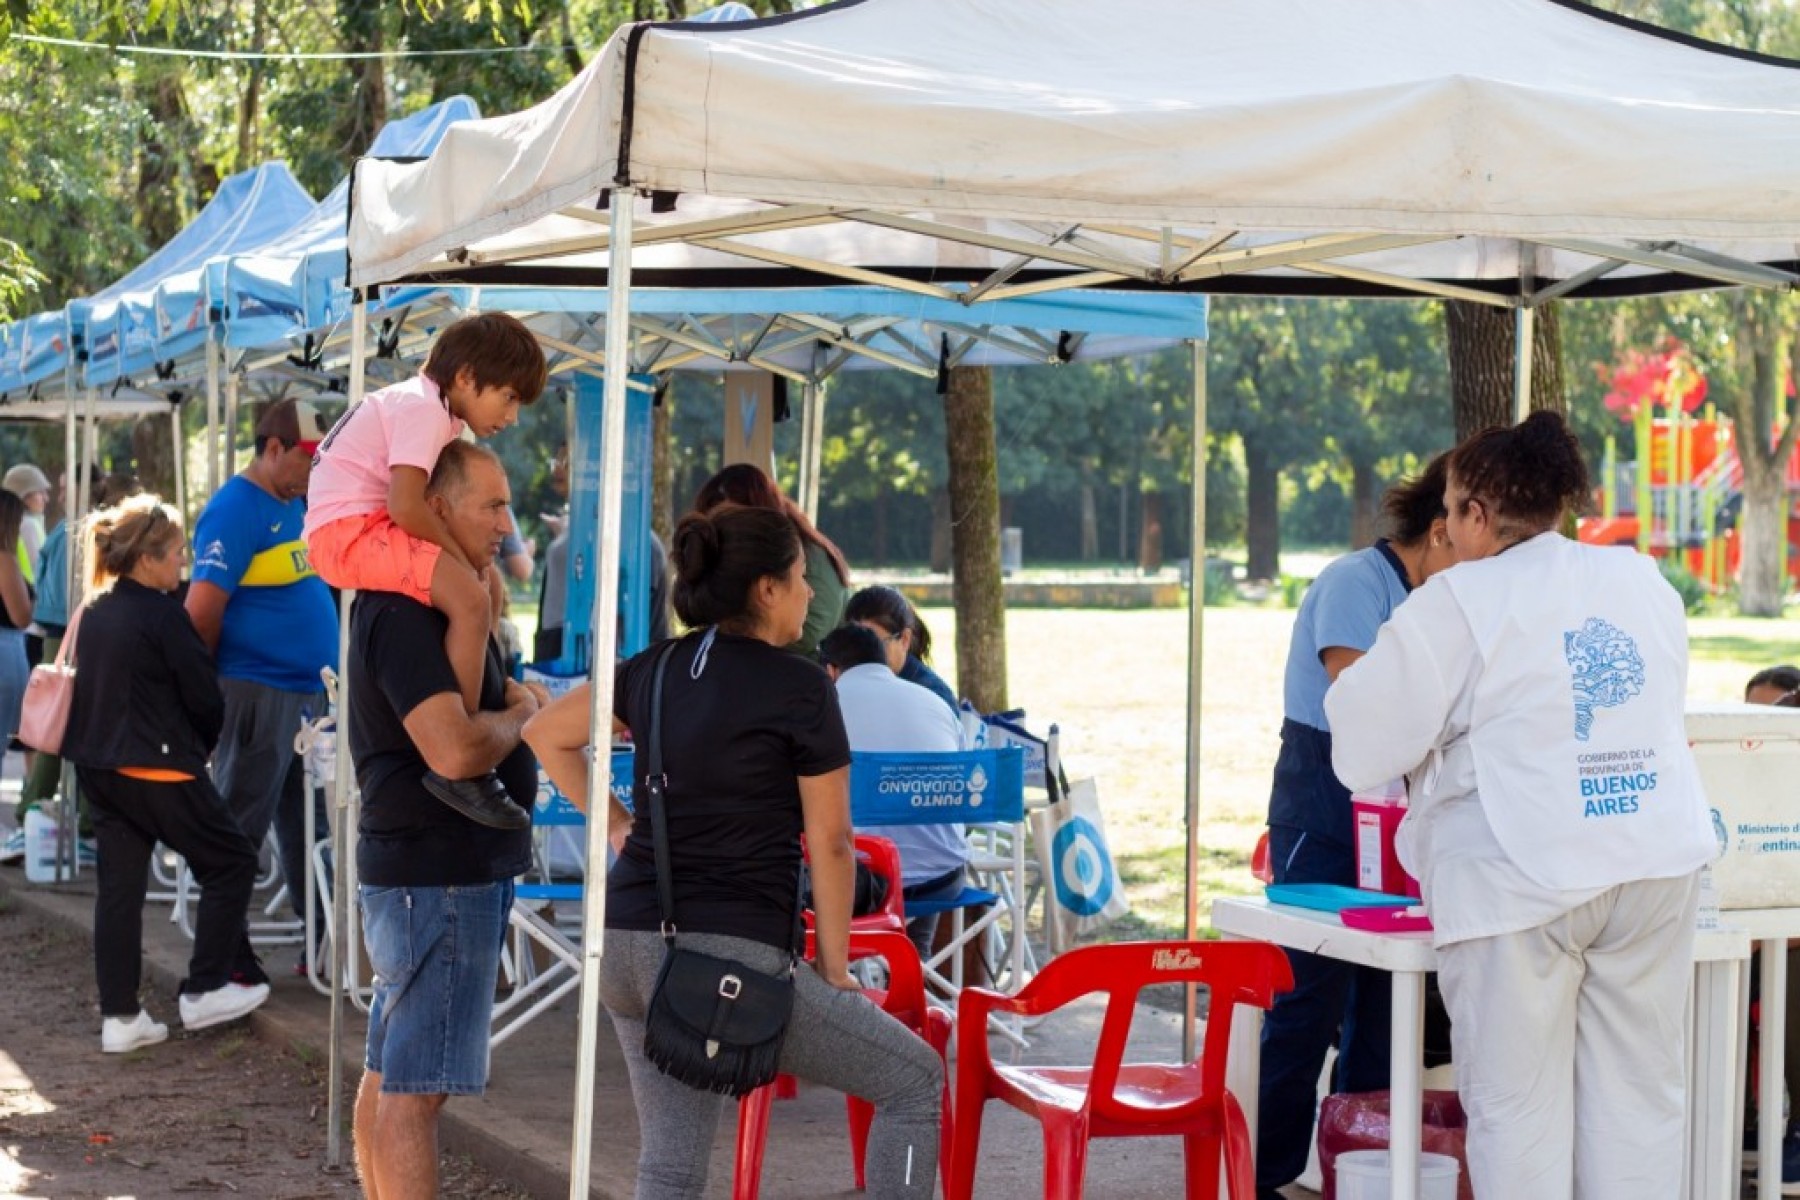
[368,525]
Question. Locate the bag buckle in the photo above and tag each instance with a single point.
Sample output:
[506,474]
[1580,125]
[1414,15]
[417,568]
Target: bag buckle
[730,986]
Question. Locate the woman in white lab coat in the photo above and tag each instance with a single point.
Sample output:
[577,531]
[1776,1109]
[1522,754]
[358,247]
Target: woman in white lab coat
[1533,695]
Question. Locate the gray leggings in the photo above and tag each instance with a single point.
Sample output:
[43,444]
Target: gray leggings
[835,1038]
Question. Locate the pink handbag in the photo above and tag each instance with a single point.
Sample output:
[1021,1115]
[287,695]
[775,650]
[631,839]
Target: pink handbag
[48,694]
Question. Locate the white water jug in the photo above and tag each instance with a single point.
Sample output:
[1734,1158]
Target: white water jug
[40,845]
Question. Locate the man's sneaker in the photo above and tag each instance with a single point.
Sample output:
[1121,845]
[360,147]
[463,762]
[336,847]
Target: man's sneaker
[483,800]
[223,1004]
[12,850]
[120,1036]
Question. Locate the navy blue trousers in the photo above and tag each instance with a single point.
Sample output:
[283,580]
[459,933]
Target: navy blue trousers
[1330,1000]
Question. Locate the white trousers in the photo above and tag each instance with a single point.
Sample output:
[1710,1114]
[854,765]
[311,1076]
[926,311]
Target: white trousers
[1570,1042]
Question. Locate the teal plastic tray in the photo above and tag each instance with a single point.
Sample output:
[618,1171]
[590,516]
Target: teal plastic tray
[1332,897]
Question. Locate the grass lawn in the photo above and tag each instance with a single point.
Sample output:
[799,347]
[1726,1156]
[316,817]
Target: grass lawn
[1115,683]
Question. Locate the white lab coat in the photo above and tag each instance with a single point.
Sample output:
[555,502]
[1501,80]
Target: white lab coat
[1535,700]
[1530,792]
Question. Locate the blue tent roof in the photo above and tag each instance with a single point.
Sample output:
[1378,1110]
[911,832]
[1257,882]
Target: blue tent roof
[295,281]
[115,326]
[118,327]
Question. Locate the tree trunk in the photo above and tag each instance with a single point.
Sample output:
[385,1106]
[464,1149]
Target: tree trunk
[159,166]
[360,31]
[941,534]
[1364,506]
[250,103]
[1762,565]
[881,528]
[1480,339]
[1090,524]
[662,467]
[1150,538]
[1124,523]
[153,454]
[975,538]
[1262,513]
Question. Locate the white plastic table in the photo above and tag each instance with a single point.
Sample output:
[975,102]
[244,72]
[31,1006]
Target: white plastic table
[1713,1080]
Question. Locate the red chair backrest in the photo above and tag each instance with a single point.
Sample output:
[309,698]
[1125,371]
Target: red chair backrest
[883,858]
[1234,972]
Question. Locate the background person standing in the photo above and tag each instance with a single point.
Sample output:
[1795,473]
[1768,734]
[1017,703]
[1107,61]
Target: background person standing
[270,622]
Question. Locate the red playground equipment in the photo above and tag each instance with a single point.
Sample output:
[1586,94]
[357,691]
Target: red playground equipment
[1687,504]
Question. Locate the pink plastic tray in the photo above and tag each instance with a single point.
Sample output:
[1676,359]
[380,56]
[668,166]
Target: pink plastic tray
[1387,920]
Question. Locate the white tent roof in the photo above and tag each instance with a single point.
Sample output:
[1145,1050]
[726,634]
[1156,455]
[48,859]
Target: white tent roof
[1346,147]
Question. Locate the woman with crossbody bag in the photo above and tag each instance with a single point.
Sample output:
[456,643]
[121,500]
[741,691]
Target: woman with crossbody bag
[753,751]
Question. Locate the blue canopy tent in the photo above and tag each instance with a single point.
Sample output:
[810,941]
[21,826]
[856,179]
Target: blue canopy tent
[110,333]
[293,285]
[118,330]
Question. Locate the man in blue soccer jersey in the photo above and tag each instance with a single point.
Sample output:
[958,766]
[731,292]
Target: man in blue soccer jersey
[272,626]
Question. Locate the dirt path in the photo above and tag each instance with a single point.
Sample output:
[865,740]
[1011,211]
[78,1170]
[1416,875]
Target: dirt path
[216,1113]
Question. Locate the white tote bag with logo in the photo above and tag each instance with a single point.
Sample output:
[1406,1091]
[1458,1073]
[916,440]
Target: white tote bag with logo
[1082,890]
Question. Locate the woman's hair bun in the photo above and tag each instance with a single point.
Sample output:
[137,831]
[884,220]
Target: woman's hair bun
[694,550]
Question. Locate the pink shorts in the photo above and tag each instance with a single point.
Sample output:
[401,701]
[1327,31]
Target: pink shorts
[370,553]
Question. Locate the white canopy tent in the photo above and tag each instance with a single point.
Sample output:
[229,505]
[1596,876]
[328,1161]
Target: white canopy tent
[1503,151]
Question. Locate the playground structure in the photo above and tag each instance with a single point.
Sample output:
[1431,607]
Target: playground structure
[1692,493]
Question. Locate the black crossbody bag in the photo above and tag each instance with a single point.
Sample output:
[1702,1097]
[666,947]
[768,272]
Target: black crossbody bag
[713,1024]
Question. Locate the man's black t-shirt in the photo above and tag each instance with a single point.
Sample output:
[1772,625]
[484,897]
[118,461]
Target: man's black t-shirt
[738,728]
[406,837]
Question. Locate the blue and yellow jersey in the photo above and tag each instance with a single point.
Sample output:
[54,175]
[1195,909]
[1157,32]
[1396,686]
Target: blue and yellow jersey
[280,626]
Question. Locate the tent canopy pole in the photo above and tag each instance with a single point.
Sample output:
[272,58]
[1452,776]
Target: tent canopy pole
[604,639]
[1196,640]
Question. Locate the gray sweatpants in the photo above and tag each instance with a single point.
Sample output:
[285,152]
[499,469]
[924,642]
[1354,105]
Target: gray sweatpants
[263,781]
[836,1038]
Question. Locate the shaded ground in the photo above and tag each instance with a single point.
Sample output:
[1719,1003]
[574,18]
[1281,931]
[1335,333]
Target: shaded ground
[211,1113]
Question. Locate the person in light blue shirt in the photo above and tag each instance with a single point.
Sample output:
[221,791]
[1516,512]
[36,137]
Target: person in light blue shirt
[1310,827]
[884,713]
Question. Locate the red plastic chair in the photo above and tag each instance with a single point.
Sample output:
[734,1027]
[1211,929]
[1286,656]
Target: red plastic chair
[883,858]
[905,1001]
[1109,1097]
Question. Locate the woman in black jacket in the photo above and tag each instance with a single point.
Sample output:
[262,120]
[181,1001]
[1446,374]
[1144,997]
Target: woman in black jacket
[145,715]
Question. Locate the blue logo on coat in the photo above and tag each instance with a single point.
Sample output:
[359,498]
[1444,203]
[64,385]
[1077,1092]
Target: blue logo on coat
[1605,670]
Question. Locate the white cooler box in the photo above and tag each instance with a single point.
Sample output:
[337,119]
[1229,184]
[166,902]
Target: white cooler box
[1749,756]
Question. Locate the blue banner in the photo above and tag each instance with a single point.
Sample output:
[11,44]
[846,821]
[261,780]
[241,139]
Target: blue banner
[554,808]
[972,787]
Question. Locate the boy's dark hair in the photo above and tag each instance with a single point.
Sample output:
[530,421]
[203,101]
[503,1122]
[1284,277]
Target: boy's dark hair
[497,349]
[1783,678]
[851,646]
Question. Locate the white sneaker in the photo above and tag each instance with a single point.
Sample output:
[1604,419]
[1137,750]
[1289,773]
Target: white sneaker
[119,1036]
[223,1004]
[12,850]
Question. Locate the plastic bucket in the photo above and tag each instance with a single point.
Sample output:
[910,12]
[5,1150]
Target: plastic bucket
[1363,1175]
[40,844]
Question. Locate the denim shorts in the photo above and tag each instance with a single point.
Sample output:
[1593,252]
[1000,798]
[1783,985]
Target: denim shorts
[436,954]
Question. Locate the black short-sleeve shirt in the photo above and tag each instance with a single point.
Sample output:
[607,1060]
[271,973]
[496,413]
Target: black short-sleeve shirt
[405,836]
[738,733]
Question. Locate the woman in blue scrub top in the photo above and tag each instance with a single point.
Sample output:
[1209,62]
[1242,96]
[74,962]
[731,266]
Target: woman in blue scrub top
[1310,826]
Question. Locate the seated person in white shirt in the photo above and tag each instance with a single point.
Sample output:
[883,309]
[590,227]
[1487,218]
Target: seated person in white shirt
[883,712]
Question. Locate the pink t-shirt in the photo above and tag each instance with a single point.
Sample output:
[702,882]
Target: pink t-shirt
[405,425]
